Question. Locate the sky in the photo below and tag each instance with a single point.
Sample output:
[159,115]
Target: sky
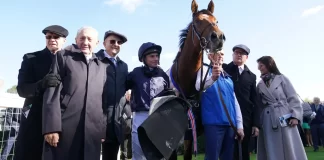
[290,31]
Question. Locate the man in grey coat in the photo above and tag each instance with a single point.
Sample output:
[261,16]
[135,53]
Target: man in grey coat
[73,121]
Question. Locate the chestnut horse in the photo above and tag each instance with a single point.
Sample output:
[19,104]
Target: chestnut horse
[202,34]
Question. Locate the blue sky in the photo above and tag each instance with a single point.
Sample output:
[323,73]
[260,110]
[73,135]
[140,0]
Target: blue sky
[291,31]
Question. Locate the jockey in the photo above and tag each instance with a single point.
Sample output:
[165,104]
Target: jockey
[146,83]
[218,132]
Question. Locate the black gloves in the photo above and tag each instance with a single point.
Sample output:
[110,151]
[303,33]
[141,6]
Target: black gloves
[50,80]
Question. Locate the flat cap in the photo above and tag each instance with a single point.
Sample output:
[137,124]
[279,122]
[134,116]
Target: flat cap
[244,47]
[121,36]
[59,30]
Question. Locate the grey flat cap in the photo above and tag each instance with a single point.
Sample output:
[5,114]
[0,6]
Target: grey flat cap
[121,36]
[242,46]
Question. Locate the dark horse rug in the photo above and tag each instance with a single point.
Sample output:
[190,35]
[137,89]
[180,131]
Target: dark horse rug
[160,134]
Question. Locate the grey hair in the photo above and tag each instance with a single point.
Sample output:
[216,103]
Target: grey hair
[317,98]
[89,28]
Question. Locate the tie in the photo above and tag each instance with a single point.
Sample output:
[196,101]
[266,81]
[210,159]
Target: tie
[240,70]
[114,61]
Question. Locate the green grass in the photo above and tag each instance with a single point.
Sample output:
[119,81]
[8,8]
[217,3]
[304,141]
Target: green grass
[309,151]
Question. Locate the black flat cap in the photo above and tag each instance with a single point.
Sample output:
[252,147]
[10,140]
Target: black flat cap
[59,30]
[121,36]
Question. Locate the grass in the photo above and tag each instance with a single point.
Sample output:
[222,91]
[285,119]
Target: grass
[309,151]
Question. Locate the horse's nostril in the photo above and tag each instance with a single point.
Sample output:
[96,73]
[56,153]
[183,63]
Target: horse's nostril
[213,36]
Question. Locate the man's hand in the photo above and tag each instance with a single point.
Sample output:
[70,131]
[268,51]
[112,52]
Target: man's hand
[241,134]
[52,139]
[216,71]
[51,80]
[255,131]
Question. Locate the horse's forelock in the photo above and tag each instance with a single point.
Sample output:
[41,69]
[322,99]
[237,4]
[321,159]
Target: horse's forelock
[184,32]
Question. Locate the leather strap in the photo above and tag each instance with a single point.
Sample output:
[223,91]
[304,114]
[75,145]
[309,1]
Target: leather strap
[230,121]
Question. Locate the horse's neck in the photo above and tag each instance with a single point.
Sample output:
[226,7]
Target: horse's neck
[189,63]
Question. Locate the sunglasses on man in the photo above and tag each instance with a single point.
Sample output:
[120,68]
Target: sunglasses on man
[115,41]
[52,37]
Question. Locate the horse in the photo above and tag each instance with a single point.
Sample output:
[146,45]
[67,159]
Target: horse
[202,34]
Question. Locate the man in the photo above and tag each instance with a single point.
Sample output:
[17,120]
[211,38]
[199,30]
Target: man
[114,90]
[245,91]
[73,121]
[317,123]
[218,131]
[146,82]
[33,79]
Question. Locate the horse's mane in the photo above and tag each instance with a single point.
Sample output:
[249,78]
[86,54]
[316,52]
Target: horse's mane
[184,33]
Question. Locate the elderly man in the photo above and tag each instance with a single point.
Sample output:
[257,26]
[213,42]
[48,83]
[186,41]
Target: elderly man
[317,123]
[114,90]
[33,78]
[73,121]
[248,99]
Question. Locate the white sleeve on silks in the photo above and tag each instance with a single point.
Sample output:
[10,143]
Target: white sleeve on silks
[239,119]
[209,80]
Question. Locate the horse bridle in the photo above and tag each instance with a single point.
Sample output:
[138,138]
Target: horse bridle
[203,44]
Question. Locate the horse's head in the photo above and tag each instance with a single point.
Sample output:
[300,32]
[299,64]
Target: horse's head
[205,28]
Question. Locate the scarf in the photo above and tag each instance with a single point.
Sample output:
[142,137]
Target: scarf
[267,78]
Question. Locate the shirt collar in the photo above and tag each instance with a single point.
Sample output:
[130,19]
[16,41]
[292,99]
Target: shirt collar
[108,56]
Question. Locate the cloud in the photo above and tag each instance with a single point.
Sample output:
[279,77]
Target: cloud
[129,5]
[312,11]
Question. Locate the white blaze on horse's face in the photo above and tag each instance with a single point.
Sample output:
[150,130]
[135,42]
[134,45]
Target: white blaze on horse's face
[204,16]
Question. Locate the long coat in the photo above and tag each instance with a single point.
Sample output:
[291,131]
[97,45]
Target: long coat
[276,142]
[74,108]
[33,69]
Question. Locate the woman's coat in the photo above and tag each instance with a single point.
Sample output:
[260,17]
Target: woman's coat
[276,142]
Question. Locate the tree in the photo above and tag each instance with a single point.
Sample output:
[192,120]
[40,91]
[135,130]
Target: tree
[13,89]
[308,100]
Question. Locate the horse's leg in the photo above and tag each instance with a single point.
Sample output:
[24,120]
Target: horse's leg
[187,150]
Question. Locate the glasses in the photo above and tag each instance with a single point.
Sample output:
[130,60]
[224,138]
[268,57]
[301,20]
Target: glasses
[114,42]
[52,37]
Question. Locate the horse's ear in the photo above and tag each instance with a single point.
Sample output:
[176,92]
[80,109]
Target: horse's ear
[211,6]
[194,6]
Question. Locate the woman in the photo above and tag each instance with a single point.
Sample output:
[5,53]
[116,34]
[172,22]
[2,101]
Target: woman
[306,129]
[279,138]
